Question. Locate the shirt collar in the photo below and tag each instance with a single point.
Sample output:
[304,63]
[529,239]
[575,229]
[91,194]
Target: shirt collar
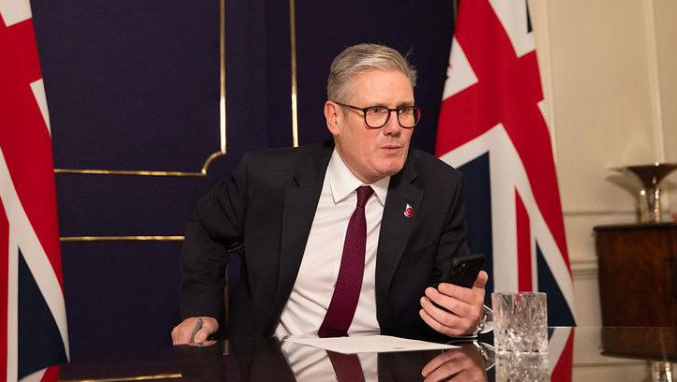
[342,181]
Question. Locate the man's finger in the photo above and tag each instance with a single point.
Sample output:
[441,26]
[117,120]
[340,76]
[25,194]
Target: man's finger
[181,334]
[430,321]
[481,281]
[441,359]
[449,323]
[445,371]
[201,335]
[449,303]
[175,335]
[441,320]
[457,292]
[186,330]
[209,326]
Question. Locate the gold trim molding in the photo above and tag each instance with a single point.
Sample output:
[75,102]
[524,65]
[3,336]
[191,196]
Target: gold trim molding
[222,122]
[202,172]
[222,84]
[120,238]
[126,379]
[294,87]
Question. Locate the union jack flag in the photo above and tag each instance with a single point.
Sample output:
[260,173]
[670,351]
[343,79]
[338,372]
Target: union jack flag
[33,332]
[492,128]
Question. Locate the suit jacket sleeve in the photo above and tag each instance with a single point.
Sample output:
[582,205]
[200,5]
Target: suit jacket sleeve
[452,243]
[453,240]
[215,226]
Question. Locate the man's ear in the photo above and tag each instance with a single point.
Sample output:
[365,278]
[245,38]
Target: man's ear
[332,116]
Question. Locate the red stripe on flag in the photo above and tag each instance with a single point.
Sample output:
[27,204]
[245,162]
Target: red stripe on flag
[523,227]
[563,371]
[25,139]
[51,374]
[4,288]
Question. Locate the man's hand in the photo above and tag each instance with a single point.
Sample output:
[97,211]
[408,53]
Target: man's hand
[462,364]
[183,332]
[463,307]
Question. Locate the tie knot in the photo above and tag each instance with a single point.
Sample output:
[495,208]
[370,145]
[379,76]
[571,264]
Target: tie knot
[363,194]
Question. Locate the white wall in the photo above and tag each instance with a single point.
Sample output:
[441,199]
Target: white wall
[666,39]
[609,71]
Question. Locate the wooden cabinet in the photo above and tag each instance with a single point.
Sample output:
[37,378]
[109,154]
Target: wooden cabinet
[644,343]
[637,269]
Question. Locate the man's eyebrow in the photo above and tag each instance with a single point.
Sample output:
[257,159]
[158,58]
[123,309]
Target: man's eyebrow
[381,104]
[401,104]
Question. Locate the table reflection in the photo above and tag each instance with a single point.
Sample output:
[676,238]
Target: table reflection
[288,361]
[522,367]
[597,354]
[467,362]
[656,345]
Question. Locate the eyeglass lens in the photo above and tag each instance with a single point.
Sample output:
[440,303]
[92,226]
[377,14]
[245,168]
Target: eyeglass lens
[378,116]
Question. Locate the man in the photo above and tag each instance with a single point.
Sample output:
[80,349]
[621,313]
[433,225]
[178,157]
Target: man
[337,237]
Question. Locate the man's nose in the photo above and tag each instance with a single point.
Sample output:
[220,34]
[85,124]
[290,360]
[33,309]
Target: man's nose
[392,126]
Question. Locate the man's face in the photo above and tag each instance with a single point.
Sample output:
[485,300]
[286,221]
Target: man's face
[372,154]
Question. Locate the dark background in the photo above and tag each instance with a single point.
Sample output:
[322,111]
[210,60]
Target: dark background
[135,86]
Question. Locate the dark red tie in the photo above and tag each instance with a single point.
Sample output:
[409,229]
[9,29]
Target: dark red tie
[349,283]
[346,366]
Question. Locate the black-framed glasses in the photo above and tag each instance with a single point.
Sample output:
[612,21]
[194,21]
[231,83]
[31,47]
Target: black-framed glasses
[377,116]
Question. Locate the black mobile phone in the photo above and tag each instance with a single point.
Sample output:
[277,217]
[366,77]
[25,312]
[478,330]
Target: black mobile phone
[464,270]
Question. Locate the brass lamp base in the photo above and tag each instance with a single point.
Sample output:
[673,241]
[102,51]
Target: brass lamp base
[650,195]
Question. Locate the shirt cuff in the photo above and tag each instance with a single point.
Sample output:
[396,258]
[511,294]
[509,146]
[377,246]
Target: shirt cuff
[487,323]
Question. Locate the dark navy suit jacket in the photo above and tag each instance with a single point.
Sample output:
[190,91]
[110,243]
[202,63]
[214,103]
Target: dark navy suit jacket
[268,205]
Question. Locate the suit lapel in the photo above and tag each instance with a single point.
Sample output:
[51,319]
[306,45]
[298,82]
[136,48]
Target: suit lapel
[300,203]
[396,228]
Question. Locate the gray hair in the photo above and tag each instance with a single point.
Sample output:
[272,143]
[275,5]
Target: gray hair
[362,58]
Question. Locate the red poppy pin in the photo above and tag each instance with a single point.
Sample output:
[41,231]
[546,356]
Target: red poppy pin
[408,211]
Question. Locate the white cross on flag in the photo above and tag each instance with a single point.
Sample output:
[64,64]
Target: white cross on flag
[33,332]
[492,128]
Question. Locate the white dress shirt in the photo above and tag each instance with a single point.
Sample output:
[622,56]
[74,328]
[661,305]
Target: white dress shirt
[311,364]
[316,279]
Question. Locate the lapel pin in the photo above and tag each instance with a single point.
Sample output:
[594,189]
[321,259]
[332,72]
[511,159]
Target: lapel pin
[408,211]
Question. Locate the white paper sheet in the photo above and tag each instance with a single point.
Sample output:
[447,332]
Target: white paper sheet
[368,344]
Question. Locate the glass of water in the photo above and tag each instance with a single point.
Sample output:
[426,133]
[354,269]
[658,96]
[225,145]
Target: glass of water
[522,368]
[521,322]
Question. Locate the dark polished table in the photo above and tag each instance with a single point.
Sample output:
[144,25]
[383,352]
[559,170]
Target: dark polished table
[598,354]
